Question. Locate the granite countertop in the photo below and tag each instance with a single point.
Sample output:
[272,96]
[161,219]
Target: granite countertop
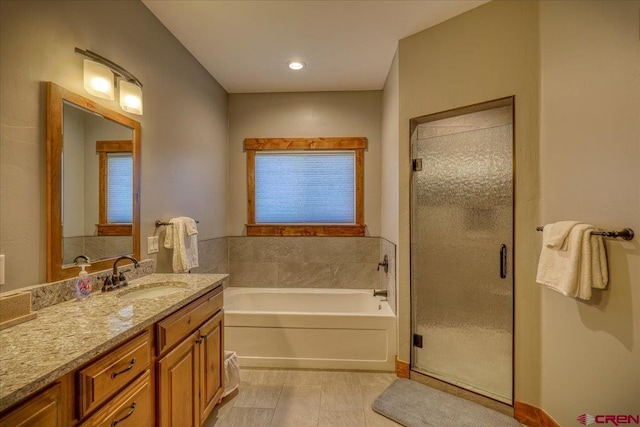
[67,335]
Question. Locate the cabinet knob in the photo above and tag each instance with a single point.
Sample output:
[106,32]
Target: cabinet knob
[200,339]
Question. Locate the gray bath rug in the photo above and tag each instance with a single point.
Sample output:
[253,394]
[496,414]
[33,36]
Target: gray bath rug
[415,405]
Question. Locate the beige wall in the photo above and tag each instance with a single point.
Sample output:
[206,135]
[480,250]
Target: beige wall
[487,53]
[305,114]
[389,224]
[589,160]
[184,127]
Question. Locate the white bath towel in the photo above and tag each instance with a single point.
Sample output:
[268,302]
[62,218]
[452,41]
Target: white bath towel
[182,237]
[575,264]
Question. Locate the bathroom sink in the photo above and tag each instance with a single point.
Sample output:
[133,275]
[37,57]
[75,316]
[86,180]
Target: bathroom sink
[153,290]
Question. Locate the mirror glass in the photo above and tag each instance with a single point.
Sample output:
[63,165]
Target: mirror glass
[97,186]
[93,167]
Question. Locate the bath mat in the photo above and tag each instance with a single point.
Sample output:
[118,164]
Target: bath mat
[416,405]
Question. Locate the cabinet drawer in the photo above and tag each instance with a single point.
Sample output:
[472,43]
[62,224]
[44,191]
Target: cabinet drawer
[103,378]
[132,408]
[179,325]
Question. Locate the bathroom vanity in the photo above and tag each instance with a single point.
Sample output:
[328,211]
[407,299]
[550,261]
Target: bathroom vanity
[151,354]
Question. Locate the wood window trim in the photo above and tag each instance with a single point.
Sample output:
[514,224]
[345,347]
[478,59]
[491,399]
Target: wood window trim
[103,148]
[356,144]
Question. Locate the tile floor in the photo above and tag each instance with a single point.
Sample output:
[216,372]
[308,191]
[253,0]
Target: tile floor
[303,398]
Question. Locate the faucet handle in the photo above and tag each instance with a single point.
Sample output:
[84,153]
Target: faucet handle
[384,264]
[107,283]
[122,279]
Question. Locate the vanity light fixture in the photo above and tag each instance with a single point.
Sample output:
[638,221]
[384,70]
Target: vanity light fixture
[130,97]
[101,75]
[98,79]
[296,65]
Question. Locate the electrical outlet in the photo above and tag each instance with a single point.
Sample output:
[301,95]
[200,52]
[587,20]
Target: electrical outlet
[1,269]
[152,245]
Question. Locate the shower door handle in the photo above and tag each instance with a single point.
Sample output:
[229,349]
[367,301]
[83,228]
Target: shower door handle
[503,261]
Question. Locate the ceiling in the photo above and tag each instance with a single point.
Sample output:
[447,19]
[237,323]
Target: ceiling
[347,45]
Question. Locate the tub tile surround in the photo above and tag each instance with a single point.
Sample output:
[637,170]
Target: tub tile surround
[95,247]
[213,256]
[300,398]
[388,280]
[319,262]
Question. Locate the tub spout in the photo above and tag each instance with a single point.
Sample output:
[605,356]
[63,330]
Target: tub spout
[380,292]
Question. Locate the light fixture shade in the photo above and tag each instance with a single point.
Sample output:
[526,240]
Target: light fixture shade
[98,80]
[296,65]
[130,97]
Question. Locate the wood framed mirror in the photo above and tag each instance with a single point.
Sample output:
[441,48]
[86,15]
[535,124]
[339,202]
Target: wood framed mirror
[92,184]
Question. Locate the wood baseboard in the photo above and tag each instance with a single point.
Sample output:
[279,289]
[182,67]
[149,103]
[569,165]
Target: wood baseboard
[532,416]
[402,369]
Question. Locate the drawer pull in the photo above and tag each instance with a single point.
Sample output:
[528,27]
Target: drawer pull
[133,408]
[128,368]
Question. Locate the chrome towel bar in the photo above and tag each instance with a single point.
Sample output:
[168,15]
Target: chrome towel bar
[625,233]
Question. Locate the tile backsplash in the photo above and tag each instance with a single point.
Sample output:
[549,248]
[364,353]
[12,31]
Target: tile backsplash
[47,294]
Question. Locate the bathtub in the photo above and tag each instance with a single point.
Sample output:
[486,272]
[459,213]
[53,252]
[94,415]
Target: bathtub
[310,328]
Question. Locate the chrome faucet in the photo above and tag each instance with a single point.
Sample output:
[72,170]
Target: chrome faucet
[116,280]
[380,292]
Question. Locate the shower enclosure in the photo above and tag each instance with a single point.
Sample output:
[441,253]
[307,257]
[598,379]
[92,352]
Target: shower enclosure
[462,247]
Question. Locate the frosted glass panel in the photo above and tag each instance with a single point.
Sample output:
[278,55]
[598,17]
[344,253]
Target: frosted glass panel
[461,215]
[305,188]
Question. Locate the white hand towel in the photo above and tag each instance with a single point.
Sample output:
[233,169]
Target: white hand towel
[558,233]
[596,274]
[190,242]
[559,269]
[575,266]
[184,245]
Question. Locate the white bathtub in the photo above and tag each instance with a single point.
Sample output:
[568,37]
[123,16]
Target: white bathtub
[310,328]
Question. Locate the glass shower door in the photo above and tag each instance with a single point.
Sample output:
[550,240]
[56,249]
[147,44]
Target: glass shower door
[461,249]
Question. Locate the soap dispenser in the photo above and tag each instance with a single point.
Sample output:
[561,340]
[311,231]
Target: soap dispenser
[83,283]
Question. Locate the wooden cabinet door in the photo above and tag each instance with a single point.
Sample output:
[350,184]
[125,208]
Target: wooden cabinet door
[45,409]
[211,363]
[178,383]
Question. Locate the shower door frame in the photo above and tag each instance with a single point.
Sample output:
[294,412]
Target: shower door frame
[413,124]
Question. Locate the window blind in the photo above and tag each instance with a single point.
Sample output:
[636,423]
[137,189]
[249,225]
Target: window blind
[307,188]
[119,188]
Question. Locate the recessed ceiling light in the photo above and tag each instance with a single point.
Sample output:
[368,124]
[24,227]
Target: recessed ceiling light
[296,65]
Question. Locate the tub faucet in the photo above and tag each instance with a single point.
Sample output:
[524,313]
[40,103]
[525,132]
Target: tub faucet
[380,292]
[116,280]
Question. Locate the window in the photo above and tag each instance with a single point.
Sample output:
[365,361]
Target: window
[305,186]
[119,188]
[116,189]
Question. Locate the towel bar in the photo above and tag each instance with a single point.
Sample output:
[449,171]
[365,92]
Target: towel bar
[161,223]
[625,234]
